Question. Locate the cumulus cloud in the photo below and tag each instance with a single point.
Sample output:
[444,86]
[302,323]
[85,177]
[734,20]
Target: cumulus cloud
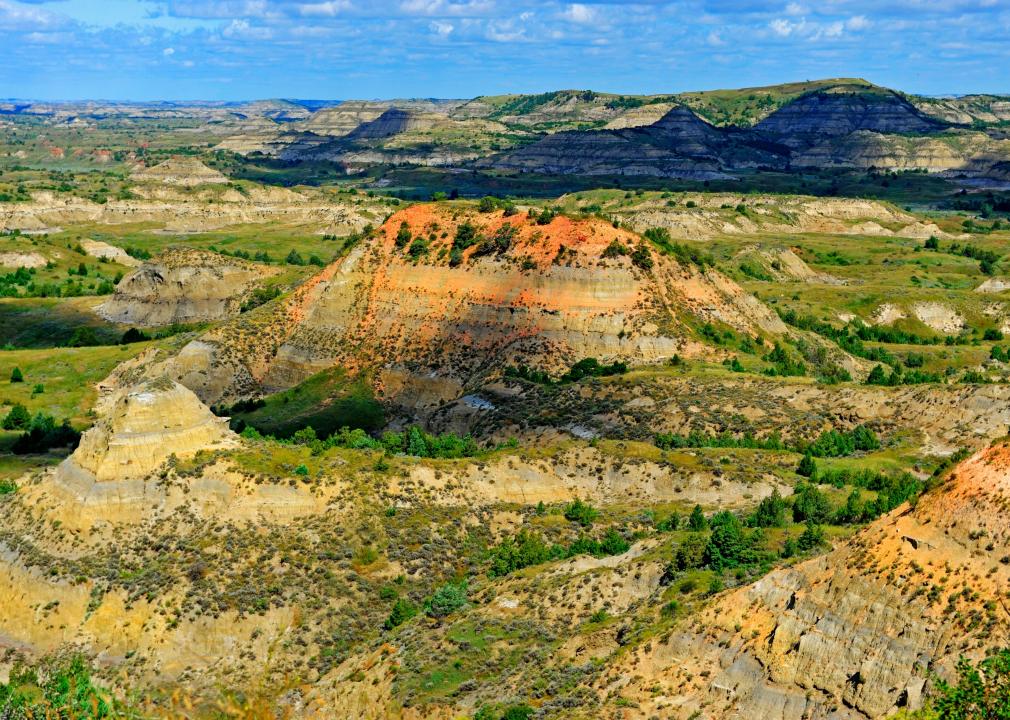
[579,13]
[14,16]
[441,28]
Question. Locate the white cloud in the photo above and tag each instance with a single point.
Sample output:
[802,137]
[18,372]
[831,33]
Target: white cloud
[19,17]
[219,9]
[795,9]
[858,22]
[579,13]
[813,30]
[168,52]
[714,39]
[504,31]
[241,29]
[332,8]
[440,28]
[782,27]
[445,8]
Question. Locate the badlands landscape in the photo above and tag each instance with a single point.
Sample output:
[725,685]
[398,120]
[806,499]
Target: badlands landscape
[567,405]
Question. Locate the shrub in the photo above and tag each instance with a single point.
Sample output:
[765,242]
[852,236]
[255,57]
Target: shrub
[446,600]
[134,335]
[18,418]
[690,554]
[403,235]
[517,712]
[17,376]
[982,691]
[641,257]
[293,258]
[403,610]
[582,513]
[417,248]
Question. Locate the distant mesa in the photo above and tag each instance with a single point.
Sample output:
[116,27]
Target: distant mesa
[182,171]
[841,111]
[395,121]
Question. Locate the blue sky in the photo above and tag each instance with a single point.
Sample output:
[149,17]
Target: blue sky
[338,49]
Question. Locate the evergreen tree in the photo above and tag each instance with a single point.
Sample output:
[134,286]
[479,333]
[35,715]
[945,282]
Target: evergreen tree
[18,418]
[726,544]
[697,521]
[807,467]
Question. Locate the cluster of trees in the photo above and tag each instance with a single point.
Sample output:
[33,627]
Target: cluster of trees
[730,543]
[40,432]
[446,600]
[852,336]
[640,255]
[891,490]
[260,296]
[987,259]
[587,367]
[490,204]
[725,439]
[784,364]
[830,443]
[897,376]
[22,283]
[834,443]
[684,254]
[59,688]
[413,441]
[526,549]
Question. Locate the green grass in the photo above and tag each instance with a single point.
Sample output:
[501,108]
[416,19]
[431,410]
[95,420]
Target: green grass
[326,402]
[51,322]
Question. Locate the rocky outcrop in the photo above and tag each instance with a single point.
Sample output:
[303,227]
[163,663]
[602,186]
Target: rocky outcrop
[854,634]
[22,260]
[967,109]
[782,264]
[183,171]
[142,426]
[436,321]
[183,285]
[100,250]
